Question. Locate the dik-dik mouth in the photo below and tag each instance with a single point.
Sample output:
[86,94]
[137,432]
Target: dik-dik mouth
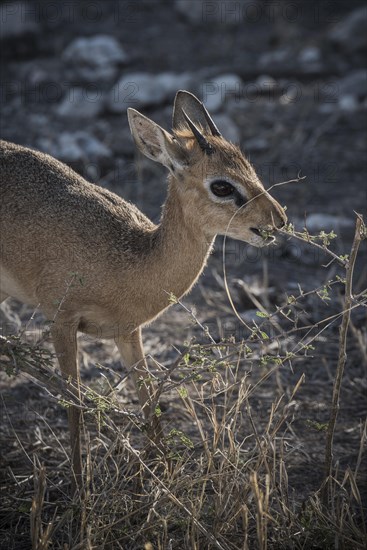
[266,235]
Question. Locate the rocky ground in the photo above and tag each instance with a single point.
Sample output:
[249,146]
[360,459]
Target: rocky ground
[285,80]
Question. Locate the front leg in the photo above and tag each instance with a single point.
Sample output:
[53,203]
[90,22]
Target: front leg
[64,337]
[132,355]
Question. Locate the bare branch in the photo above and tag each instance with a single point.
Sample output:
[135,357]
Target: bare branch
[342,355]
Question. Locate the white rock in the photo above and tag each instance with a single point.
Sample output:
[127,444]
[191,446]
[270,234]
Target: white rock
[214,92]
[80,103]
[327,108]
[223,12]
[291,95]
[348,103]
[265,83]
[17,19]
[256,144]
[143,89]
[192,11]
[78,146]
[274,57]
[227,127]
[39,120]
[311,54]
[94,58]
[354,83]
[350,33]
[320,221]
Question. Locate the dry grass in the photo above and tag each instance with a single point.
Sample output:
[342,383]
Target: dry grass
[227,480]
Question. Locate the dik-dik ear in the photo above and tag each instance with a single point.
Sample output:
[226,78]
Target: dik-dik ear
[155,143]
[188,105]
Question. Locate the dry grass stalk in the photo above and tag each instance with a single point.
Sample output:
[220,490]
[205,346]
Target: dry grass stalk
[40,535]
[358,236]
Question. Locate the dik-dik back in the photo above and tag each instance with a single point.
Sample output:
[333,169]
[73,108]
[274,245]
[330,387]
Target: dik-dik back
[55,224]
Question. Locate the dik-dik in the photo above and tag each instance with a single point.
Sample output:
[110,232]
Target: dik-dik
[54,223]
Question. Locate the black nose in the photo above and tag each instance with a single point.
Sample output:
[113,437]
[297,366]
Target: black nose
[279,218]
[282,224]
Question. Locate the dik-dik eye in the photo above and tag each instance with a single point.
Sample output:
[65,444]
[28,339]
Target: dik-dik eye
[222,188]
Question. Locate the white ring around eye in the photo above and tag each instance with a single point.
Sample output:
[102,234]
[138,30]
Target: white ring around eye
[237,186]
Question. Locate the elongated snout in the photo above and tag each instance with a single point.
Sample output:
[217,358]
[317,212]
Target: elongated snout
[273,215]
[273,218]
[279,216]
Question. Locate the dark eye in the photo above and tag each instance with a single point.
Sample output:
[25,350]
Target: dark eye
[222,188]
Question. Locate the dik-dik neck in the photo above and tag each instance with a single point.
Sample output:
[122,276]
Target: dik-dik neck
[180,247]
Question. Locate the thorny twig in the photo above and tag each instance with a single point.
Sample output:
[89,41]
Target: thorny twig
[37,362]
[308,239]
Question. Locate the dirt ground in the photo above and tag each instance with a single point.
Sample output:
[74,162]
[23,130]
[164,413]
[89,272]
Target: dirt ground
[307,119]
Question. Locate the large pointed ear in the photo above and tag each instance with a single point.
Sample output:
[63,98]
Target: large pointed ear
[155,143]
[185,102]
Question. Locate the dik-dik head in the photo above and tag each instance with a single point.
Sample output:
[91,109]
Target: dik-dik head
[218,188]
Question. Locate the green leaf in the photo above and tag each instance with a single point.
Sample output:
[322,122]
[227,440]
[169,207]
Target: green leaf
[183,392]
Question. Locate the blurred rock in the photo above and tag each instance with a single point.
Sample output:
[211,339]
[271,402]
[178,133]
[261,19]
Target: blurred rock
[255,145]
[350,34]
[17,19]
[352,90]
[348,103]
[264,83]
[216,91]
[292,93]
[144,89]
[279,57]
[80,103]
[227,127]
[285,60]
[202,12]
[310,59]
[355,84]
[192,11]
[124,145]
[39,120]
[327,108]
[305,253]
[325,222]
[310,54]
[94,58]
[74,147]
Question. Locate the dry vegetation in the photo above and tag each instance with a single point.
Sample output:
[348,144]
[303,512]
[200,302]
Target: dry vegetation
[228,478]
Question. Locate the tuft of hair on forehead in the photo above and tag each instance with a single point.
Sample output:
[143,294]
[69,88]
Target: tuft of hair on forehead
[184,135]
[183,132]
[225,152]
